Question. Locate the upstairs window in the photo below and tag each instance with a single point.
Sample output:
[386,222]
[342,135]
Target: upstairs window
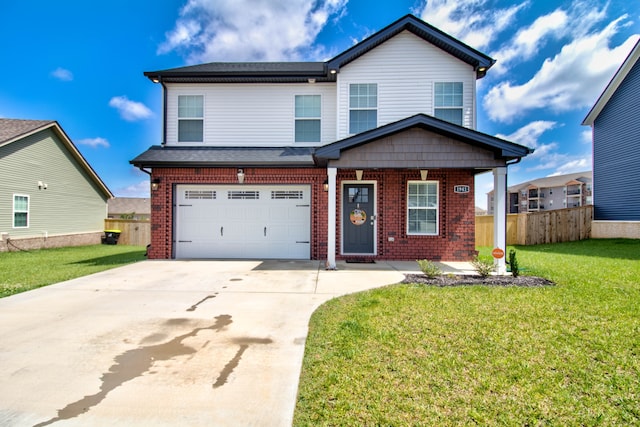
[363,107]
[422,208]
[20,211]
[448,102]
[190,118]
[308,109]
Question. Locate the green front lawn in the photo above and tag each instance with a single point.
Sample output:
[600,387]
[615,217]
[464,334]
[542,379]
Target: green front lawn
[26,270]
[477,355]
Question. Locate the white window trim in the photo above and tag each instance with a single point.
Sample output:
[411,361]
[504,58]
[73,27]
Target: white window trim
[377,109]
[461,107]
[204,103]
[436,208]
[13,216]
[295,119]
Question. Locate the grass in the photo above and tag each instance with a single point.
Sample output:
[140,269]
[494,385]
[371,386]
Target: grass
[414,355]
[26,270]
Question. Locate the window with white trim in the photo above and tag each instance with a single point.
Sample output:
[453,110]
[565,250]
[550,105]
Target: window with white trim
[20,211]
[307,111]
[422,208]
[363,107]
[448,102]
[190,118]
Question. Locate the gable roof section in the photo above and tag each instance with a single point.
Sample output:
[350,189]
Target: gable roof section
[501,148]
[12,130]
[170,156]
[613,85]
[479,61]
[301,72]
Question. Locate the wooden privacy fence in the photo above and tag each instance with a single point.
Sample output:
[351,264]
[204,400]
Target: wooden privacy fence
[133,232]
[535,228]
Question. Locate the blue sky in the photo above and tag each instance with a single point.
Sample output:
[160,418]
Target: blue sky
[81,63]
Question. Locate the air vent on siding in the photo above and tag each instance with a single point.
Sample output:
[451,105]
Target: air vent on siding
[199,194]
[296,195]
[243,195]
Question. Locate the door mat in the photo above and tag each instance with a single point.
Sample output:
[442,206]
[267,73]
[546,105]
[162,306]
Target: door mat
[360,261]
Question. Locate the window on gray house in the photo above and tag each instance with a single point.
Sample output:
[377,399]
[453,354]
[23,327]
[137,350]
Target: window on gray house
[20,211]
[308,111]
[448,102]
[190,118]
[363,107]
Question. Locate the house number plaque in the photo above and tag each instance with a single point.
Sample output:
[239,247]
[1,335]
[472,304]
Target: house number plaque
[460,188]
[358,217]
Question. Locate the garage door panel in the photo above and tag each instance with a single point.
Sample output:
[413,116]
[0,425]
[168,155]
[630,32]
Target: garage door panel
[243,222]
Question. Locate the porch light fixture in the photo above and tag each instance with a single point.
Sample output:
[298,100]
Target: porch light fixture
[325,185]
[359,174]
[241,176]
[311,80]
[155,184]
[423,174]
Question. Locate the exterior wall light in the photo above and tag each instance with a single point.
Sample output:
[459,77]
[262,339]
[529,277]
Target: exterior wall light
[325,185]
[155,184]
[241,176]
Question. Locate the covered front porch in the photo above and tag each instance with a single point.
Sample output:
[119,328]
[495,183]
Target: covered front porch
[418,174]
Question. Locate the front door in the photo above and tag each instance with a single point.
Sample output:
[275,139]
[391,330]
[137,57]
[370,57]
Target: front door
[358,218]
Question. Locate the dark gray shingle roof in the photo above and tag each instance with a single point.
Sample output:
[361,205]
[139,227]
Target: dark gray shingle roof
[14,128]
[158,156]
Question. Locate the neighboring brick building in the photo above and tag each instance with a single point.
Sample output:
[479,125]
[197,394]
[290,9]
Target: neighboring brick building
[371,154]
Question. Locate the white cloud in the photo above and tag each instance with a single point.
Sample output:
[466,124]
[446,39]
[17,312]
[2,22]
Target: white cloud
[529,135]
[245,30]
[62,74]
[94,142]
[130,110]
[571,80]
[475,22]
[140,189]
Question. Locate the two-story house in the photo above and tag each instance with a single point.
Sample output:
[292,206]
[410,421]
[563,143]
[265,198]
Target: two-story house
[546,194]
[371,154]
[616,153]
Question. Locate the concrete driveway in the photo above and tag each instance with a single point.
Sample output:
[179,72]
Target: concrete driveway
[197,343]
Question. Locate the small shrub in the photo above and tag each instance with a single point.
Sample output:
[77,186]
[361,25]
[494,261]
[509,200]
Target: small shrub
[513,263]
[429,268]
[482,266]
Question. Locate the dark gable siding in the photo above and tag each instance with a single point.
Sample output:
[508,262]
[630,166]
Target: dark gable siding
[616,154]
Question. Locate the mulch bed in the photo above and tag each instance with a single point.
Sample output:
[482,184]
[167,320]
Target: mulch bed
[461,280]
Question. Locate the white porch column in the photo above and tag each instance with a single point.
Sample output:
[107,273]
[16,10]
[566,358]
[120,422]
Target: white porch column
[500,216]
[331,220]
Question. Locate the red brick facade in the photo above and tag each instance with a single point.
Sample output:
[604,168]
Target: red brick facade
[455,241]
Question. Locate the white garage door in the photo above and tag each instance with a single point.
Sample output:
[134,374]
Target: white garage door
[239,221]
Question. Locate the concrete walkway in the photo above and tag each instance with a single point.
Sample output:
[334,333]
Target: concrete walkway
[166,343]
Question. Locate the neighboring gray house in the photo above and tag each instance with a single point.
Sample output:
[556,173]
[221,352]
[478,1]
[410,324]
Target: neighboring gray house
[615,124]
[137,208]
[545,194]
[49,195]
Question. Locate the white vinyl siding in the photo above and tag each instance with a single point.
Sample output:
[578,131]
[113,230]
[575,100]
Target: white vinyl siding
[422,208]
[308,111]
[20,211]
[405,68]
[252,114]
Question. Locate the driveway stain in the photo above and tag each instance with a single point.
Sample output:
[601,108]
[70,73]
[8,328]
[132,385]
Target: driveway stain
[133,364]
[194,306]
[235,361]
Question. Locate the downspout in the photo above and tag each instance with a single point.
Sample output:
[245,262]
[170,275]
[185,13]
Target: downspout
[164,112]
